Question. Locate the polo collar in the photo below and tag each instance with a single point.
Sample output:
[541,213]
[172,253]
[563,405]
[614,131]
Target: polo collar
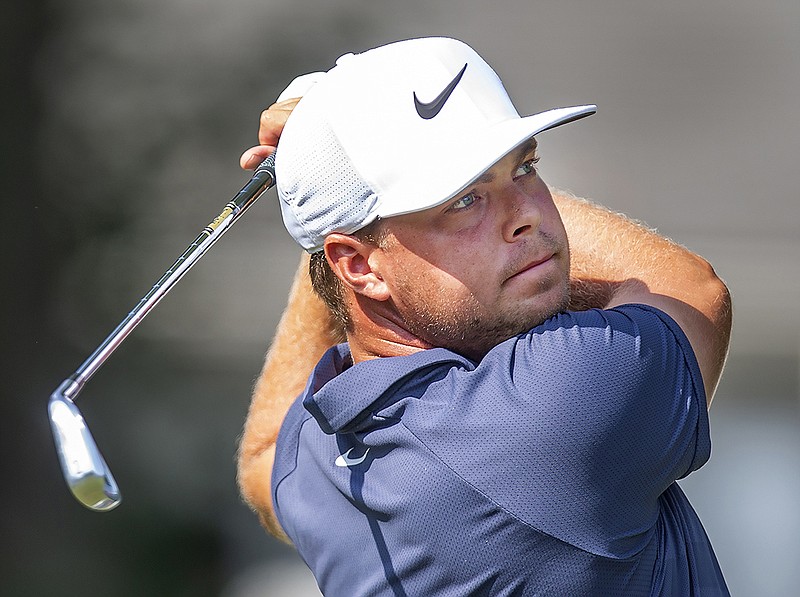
[338,393]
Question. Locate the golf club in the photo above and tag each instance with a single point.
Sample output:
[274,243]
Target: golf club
[84,468]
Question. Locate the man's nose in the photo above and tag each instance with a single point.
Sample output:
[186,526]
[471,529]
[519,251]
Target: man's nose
[522,214]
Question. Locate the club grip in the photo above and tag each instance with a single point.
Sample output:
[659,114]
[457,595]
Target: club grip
[267,168]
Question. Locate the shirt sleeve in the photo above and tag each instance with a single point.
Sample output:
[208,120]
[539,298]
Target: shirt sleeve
[608,411]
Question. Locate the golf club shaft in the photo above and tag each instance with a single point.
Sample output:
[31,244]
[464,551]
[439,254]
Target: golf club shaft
[262,179]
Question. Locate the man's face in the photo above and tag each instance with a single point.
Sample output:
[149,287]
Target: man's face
[484,266]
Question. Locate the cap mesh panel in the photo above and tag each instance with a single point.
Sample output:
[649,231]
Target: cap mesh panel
[320,191]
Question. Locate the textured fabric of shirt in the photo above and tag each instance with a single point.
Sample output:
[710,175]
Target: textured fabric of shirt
[548,468]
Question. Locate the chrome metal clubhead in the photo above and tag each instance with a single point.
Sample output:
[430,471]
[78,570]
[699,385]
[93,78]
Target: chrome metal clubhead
[84,468]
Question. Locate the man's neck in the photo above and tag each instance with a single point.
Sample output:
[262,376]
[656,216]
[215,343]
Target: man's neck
[375,335]
[379,347]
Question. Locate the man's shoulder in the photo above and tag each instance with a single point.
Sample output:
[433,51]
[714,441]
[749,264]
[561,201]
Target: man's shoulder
[593,327]
[339,392]
[593,345]
[621,317]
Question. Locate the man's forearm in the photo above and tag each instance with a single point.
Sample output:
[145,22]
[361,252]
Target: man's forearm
[603,246]
[615,260]
[305,332]
[609,251]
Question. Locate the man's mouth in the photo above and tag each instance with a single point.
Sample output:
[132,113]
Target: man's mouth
[531,267]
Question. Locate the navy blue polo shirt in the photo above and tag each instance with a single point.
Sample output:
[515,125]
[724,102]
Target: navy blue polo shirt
[548,468]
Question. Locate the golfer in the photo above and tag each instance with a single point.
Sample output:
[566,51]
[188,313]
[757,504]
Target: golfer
[479,386]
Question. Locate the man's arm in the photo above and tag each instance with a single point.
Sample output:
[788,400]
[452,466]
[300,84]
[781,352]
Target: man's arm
[306,330]
[615,261]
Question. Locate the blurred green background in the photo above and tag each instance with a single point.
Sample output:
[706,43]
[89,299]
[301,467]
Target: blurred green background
[122,126]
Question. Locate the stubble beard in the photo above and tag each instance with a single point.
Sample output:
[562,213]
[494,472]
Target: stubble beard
[467,327]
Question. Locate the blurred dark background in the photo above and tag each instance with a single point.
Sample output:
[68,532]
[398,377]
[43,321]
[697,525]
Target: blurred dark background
[122,124]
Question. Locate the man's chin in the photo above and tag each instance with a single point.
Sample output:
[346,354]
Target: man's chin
[483,339]
[472,331]
[530,316]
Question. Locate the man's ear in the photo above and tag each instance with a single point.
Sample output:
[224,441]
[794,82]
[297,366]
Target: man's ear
[349,258]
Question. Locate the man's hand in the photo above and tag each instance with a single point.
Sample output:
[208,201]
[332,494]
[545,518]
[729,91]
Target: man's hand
[273,119]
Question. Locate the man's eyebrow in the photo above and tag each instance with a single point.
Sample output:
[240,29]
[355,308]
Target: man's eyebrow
[520,152]
[529,146]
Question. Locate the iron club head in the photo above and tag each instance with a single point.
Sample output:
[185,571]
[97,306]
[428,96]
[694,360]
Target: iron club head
[82,465]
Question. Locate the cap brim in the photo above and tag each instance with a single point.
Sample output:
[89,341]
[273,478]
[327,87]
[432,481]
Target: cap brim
[466,160]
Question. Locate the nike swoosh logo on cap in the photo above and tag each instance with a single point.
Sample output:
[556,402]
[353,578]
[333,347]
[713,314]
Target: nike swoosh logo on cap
[345,460]
[428,110]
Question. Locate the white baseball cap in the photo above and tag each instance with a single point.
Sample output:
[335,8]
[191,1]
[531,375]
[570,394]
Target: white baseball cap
[394,130]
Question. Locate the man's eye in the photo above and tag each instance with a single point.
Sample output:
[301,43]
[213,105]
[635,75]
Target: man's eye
[527,167]
[463,203]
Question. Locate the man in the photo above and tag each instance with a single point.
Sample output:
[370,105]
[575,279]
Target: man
[525,377]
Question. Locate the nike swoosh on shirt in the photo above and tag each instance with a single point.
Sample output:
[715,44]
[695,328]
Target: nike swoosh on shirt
[428,110]
[345,460]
